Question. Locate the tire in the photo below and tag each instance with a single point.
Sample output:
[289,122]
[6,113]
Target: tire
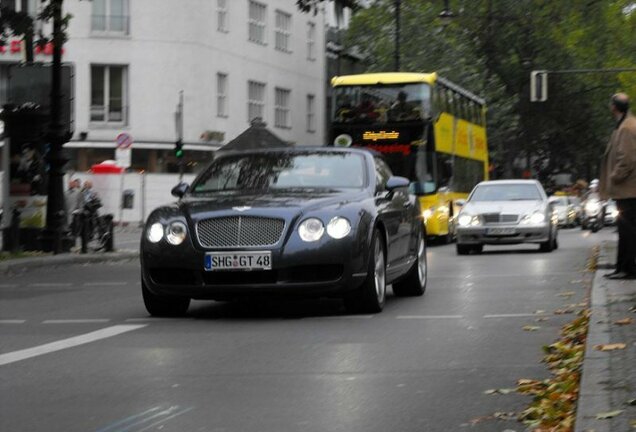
[548,246]
[371,296]
[164,306]
[463,249]
[414,283]
[478,248]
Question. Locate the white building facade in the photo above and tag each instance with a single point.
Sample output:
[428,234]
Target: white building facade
[234,60]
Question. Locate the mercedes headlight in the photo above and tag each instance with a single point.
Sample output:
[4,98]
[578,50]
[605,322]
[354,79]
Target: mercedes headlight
[311,230]
[155,233]
[465,220]
[176,233]
[537,218]
[338,227]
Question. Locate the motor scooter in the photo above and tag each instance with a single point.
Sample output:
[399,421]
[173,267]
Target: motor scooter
[593,215]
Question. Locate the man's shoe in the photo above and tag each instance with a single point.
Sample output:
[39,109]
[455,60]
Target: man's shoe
[622,276]
[609,275]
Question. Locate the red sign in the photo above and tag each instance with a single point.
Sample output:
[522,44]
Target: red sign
[124,140]
[405,149]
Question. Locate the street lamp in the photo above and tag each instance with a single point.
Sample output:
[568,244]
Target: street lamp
[447,15]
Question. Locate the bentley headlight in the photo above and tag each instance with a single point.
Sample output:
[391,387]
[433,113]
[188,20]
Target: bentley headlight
[537,218]
[338,227]
[155,233]
[465,220]
[176,233]
[311,230]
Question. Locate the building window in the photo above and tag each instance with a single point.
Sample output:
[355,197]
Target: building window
[221,95]
[108,94]
[110,16]
[283,31]
[16,5]
[255,100]
[281,108]
[311,41]
[221,16]
[256,22]
[311,113]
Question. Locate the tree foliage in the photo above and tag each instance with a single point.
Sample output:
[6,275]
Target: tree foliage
[492,46]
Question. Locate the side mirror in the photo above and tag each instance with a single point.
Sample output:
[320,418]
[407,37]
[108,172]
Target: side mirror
[460,203]
[180,190]
[396,182]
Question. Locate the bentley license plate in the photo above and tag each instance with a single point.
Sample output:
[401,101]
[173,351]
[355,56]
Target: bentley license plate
[238,261]
[501,231]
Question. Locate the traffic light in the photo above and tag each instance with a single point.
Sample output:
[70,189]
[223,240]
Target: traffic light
[178,149]
[539,86]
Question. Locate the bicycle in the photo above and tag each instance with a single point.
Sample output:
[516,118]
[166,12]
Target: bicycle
[95,230]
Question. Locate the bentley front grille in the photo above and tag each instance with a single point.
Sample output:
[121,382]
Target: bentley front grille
[239,231]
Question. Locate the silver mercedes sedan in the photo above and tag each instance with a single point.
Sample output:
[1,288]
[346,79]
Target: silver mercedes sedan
[506,212]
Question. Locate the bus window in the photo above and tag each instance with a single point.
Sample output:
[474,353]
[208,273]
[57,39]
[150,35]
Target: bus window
[423,180]
[444,170]
[468,172]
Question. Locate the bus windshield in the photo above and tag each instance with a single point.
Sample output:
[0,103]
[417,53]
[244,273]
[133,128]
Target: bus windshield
[381,104]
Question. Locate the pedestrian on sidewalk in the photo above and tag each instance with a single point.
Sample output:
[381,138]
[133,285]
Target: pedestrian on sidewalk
[618,181]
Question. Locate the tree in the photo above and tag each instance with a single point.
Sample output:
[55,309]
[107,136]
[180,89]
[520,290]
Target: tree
[492,46]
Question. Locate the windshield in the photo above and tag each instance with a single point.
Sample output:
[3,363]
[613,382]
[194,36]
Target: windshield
[559,201]
[382,103]
[507,192]
[272,171]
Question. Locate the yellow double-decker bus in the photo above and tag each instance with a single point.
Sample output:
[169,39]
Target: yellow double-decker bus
[429,130]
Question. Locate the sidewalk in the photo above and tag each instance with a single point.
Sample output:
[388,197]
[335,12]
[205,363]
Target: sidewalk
[608,384]
[126,248]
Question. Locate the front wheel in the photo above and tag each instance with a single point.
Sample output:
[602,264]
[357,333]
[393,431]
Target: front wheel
[164,306]
[463,249]
[371,296]
[414,283]
[550,244]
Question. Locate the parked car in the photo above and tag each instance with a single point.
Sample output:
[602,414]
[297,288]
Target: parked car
[611,212]
[506,212]
[296,222]
[566,213]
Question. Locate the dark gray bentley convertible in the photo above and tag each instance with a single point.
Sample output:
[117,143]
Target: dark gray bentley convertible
[299,222]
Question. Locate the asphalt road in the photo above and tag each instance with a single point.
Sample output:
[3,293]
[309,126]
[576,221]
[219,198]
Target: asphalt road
[78,351]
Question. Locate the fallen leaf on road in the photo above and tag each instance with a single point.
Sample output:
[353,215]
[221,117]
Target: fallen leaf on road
[610,347]
[499,391]
[631,402]
[608,415]
[531,328]
[539,312]
[632,309]
[542,319]
[563,311]
[566,294]
[576,281]
[505,415]
[624,321]
[633,424]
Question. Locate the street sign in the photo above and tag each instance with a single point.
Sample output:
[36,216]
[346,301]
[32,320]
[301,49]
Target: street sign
[124,149]
[124,140]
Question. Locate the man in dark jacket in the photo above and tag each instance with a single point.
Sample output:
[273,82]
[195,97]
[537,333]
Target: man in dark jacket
[618,181]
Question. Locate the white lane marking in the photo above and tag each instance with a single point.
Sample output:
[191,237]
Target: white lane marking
[511,275]
[149,319]
[519,315]
[129,423]
[12,321]
[77,321]
[163,420]
[429,317]
[51,284]
[107,332]
[345,317]
[105,283]
[8,285]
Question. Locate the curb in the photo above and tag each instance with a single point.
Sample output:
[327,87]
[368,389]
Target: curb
[24,264]
[607,255]
[594,395]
